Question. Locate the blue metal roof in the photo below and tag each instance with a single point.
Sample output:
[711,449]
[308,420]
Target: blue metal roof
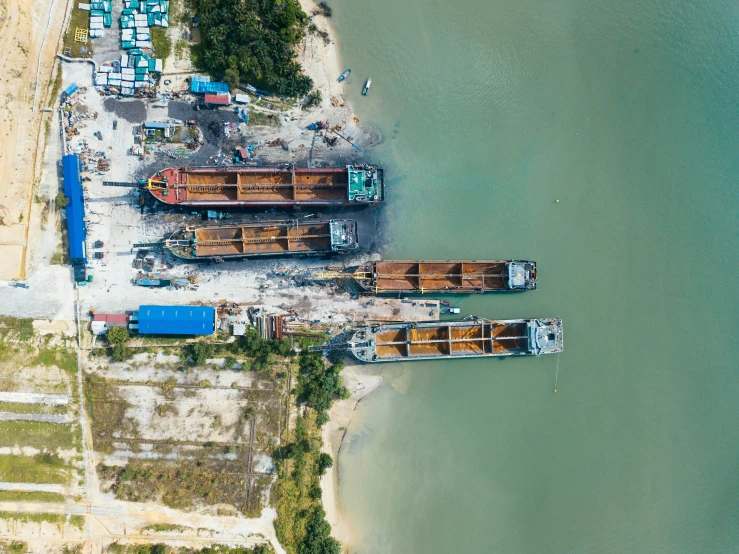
[77,231]
[176,320]
[201,84]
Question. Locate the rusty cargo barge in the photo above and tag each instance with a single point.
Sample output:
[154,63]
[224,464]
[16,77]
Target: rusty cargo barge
[276,238]
[469,338]
[440,277]
[208,187]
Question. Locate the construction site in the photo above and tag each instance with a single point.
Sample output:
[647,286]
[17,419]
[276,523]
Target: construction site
[173,224]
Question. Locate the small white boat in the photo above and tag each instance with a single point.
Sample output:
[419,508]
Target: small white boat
[344,75]
[367,85]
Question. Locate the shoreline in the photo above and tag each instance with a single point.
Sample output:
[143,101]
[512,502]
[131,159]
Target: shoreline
[361,383]
[322,62]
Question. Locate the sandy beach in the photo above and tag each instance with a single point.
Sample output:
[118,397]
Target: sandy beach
[361,382]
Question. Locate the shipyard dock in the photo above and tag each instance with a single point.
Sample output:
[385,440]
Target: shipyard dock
[207,187]
[468,338]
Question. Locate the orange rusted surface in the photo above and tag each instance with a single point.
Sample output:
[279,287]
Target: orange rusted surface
[454,276]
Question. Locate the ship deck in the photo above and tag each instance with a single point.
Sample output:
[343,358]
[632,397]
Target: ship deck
[433,276]
[260,186]
[257,240]
[446,340]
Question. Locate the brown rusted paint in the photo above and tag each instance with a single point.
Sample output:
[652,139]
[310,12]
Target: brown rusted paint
[432,276]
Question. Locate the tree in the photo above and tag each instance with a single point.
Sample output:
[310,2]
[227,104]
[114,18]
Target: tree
[318,539]
[199,352]
[254,41]
[229,362]
[61,200]
[324,462]
[120,353]
[263,351]
[117,335]
[318,385]
[313,98]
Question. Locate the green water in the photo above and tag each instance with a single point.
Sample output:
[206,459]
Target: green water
[628,113]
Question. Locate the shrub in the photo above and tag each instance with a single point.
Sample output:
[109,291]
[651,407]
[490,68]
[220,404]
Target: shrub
[322,418]
[199,352]
[61,200]
[120,353]
[17,547]
[318,539]
[324,462]
[229,362]
[313,98]
[117,335]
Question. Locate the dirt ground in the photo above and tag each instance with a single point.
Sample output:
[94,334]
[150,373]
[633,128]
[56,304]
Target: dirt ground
[29,34]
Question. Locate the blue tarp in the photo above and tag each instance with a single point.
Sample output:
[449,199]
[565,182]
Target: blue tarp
[77,231]
[176,320]
[201,84]
[70,90]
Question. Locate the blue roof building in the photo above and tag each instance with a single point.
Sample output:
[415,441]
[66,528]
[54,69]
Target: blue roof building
[176,320]
[77,231]
[201,84]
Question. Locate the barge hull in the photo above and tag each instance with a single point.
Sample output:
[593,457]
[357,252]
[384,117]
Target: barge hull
[474,338]
[207,187]
[452,276]
[282,238]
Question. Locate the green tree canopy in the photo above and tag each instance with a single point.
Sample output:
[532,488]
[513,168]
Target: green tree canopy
[318,385]
[117,335]
[254,41]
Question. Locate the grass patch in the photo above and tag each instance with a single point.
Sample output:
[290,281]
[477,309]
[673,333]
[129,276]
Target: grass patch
[26,496]
[59,357]
[77,521]
[80,19]
[42,468]
[19,329]
[180,47]
[106,409]
[160,548]
[165,528]
[56,86]
[161,42]
[57,519]
[182,485]
[13,547]
[40,435]
[262,119]
[21,408]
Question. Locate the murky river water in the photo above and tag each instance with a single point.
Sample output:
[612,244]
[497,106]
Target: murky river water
[627,112]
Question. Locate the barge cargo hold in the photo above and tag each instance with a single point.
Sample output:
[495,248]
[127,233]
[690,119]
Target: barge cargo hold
[207,187]
[469,338]
[453,276]
[275,238]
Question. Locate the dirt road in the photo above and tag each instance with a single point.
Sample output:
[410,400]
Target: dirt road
[29,34]
[114,521]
